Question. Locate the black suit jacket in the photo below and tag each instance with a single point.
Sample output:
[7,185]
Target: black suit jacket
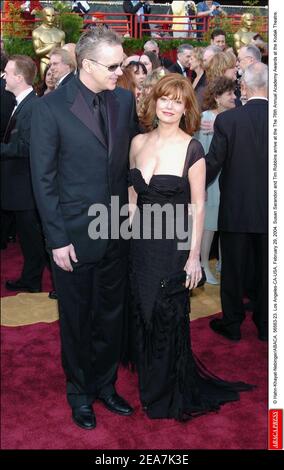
[175,68]
[66,79]
[239,149]
[165,62]
[72,167]
[16,186]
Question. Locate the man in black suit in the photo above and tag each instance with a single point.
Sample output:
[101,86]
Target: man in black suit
[79,153]
[61,66]
[136,8]
[7,104]
[239,149]
[16,186]
[183,59]
[152,46]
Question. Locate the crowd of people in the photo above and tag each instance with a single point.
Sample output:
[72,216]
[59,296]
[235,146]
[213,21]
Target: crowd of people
[140,131]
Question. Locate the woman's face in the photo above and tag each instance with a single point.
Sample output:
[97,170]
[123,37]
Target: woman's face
[193,62]
[49,79]
[139,76]
[147,62]
[231,73]
[226,100]
[169,110]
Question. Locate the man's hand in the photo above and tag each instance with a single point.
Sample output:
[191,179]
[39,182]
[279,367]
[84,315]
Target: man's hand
[62,256]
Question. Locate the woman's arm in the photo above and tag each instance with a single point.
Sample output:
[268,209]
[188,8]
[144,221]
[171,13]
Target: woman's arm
[132,195]
[196,177]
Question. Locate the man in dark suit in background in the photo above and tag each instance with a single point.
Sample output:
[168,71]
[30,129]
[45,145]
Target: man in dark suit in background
[61,66]
[152,46]
[7,104]
[79,153]
[16,186]
[239,149]
[183,58]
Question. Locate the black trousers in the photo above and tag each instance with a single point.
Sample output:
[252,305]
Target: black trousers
[32,244]
[91,314]
[237,249]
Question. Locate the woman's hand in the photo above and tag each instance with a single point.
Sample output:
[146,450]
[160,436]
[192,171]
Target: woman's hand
[193,271]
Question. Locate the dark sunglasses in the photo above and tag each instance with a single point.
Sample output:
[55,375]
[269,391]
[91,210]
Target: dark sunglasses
[111,68]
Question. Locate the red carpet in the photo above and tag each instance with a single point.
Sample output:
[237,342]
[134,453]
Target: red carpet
[35,414]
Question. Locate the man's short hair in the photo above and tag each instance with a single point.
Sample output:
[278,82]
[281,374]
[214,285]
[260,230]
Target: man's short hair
[26,67]
[183,48]
[66,57]
[217,32]
[255,76]
[151,43]
[91,40]
[253,51]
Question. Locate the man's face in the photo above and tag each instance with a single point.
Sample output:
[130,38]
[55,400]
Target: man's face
[219,41]
[184,58]
[57,67]
[11,77]
[244,60]
[101,77]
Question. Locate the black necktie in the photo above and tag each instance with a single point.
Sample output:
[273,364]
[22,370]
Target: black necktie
[100,115]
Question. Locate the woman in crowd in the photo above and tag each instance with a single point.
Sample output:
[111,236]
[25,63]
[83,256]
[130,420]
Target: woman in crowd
[151,61]
[138,72]
[167,172]
[149,82]
[196,65]
[48,83]
[219,96]
[222,64]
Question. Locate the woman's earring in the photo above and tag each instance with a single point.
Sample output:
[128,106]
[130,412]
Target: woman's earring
[155,122]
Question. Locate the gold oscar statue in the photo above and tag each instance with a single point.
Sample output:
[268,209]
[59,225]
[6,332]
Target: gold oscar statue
[244,36]
[46,37]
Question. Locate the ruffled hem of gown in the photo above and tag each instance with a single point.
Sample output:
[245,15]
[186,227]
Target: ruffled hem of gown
[190,390]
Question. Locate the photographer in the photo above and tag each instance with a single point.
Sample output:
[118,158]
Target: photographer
[205,10]
[82,8]
[139,9]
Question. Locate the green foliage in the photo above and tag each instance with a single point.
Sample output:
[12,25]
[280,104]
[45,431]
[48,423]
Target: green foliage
[15,27]
[18,45]
[71,24]
[61,7]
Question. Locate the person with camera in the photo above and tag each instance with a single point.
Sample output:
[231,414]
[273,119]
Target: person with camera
[139,9]
[206,10]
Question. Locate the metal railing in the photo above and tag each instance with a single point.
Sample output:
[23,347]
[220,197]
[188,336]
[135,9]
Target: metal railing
[157,26]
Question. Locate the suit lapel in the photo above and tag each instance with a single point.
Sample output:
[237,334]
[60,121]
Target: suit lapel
[112,107]
[82,111]
[13,117]
[27,98]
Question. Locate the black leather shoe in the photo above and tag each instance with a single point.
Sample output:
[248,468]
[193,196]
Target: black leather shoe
[218,326]
[117,404]
[84,416]
[19,286]
[52,295]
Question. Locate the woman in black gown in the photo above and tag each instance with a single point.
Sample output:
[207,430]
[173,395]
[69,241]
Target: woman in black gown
[168,172]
